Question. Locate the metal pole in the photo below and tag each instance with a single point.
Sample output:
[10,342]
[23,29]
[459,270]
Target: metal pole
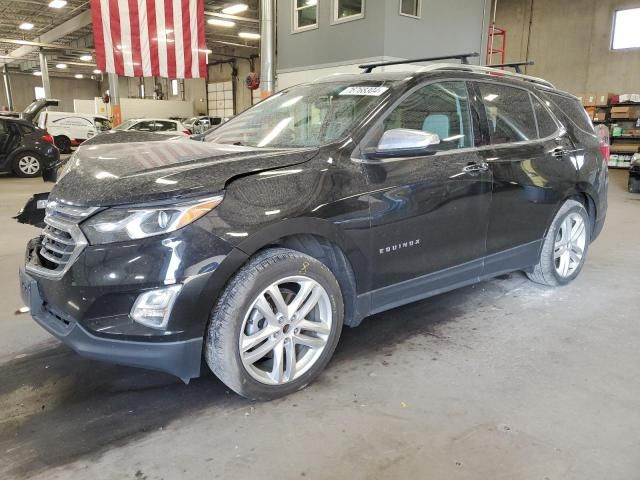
[7,87]
[114,99]
[267,50]
[44,70]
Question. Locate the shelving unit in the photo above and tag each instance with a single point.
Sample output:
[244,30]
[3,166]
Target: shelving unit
[628,123]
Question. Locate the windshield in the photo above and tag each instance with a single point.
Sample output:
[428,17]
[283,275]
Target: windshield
[126,125]
[102,124]
[304,116]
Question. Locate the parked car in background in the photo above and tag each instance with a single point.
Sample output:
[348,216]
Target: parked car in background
[162,126]
[70,129]
[634,174]
[202,123]
[25,149]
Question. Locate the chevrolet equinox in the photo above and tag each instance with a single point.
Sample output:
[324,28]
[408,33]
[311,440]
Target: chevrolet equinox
[328,202]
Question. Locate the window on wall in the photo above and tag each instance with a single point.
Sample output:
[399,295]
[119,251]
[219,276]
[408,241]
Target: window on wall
[39,92]
[410,8]
[174,87]
[626,32]
[305,15]
[347,10]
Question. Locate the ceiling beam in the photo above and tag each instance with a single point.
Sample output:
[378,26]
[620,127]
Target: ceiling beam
[70,26]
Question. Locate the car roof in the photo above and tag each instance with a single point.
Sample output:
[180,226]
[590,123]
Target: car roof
[154,120]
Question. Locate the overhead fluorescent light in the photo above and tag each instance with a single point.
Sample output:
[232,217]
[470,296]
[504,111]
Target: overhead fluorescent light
[86,58]
[97,72]
[37,74]
[61,66]
[235,9]
[26,26]
[57,3]
[79,75]
[218,22]
[250,35]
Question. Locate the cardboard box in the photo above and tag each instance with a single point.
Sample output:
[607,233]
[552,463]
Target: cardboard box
[602,99]
[589,99]
[628,111]
[600,116]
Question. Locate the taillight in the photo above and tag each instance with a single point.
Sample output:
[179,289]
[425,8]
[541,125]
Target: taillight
[48,138]
[187,132]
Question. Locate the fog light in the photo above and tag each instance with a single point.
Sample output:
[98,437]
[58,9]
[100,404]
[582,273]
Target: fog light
[153,308]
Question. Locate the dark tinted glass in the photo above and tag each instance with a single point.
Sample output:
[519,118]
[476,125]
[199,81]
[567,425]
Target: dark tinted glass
[165,126]
[509,113]
[3,127]
[546,125]
[440,108]
[144,126]
[571,108]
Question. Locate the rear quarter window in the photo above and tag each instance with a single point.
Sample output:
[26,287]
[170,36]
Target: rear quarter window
[546,124]
[573,110]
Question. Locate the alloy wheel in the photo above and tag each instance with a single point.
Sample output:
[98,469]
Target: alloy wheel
[29,165]
[569,245]
[285,330]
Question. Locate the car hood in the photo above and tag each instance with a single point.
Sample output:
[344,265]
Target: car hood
[118,174]
[125,136]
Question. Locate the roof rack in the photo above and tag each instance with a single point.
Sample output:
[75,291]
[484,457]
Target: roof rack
[516,66]
[463,57]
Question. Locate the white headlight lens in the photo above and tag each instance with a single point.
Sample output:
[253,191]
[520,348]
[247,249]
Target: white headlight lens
[122,224]
[153,308]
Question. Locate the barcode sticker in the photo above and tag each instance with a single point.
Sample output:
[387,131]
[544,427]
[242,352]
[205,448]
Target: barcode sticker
[364,91]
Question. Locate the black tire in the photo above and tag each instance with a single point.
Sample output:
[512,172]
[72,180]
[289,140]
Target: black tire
[634,185]
[545,272]
[21,169]
[222,350]
[63,143]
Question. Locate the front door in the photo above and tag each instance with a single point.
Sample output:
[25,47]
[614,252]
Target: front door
[428,212]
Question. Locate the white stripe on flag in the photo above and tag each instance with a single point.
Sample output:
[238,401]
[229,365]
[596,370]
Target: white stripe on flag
[125,37]
[177,30]
[106,33]
[161,34]
[145,52]
[193,20]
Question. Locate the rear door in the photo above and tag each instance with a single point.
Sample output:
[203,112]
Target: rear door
[5,141]
[530,157]
[429,212]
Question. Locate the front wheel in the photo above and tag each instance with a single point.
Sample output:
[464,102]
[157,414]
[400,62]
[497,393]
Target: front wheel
[565,246]
[276,325]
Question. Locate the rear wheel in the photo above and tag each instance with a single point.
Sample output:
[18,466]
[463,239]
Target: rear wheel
[565,246]
[63,143]
[276,325]
[27,165]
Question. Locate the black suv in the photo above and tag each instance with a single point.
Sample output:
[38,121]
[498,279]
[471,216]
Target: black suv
[322,205]
[25,149]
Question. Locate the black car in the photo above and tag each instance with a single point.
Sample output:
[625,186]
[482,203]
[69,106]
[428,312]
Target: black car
[322,205]
[25,149]
[634,175]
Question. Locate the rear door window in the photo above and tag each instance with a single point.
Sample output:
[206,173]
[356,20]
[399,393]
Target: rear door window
[509,113]
[144,126]
[165,126]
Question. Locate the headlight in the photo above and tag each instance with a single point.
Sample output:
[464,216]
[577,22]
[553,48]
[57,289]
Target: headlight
[122,224]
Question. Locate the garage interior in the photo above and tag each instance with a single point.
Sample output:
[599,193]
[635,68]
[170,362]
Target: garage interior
[501,379]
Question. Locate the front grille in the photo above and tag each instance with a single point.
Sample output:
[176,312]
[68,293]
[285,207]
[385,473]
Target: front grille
[62,239]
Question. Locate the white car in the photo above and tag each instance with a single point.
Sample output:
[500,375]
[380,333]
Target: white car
[155,125]
[71,129]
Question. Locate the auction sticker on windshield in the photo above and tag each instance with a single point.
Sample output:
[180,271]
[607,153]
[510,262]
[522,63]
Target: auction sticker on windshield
[367,91]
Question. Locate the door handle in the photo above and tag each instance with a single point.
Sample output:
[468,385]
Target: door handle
[476,167]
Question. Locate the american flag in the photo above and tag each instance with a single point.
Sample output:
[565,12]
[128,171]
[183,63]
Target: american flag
[160,38]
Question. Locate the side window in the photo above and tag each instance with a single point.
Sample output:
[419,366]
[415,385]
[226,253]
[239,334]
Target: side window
[3,128]
[509,113]
[440,108]
[143,126]
[165,126]
[571,107]
[546,124]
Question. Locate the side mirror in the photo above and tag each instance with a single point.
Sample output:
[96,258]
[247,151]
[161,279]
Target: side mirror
[404,141]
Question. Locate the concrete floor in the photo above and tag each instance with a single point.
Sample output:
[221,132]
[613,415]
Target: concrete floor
[502,380]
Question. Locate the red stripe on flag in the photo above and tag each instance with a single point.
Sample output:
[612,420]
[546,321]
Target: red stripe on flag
[202,43]
[114,20]
[136,48]
[171,44]
[153,38]
[98,35]
[186,38]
